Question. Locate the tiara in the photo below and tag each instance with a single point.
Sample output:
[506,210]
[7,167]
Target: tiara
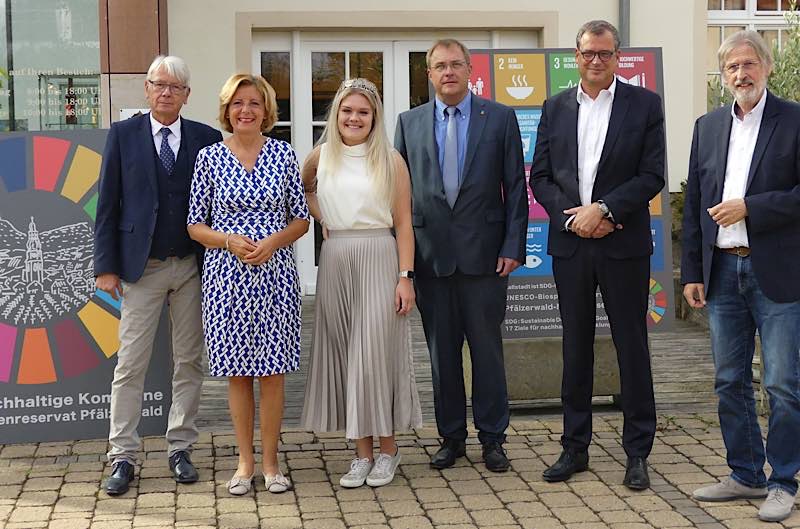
[361,84]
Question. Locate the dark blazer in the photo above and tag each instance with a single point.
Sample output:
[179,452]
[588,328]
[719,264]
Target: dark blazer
[630,173]
[128,201]
[481,226]
[772,197]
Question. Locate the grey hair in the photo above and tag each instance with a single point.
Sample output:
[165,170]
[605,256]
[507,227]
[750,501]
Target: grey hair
[447,43]
[172,65]
[752,39]
[597,27]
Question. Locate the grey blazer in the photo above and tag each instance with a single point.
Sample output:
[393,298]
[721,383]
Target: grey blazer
[490,216]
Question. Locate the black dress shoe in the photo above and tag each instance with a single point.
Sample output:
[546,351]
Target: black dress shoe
[568,463]
[446,455]
[495,457]
[182,469]
[119,480]
[636,477]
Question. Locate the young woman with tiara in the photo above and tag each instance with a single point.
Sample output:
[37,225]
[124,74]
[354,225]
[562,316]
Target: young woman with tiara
[361,377]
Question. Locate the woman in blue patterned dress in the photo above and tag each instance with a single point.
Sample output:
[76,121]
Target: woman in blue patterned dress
[247,208]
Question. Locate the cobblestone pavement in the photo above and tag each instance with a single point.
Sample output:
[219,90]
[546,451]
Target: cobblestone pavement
[57,485]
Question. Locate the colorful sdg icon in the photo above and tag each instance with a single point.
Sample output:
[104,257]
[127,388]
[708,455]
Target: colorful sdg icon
[54,324]
[656,303]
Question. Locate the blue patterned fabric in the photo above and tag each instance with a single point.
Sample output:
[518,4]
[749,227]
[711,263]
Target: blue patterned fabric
[251,314]
[166,155]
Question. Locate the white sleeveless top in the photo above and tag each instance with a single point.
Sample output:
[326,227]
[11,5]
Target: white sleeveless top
[347,197]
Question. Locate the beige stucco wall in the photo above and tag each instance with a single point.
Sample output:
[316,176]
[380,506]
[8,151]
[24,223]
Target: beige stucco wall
[214,37]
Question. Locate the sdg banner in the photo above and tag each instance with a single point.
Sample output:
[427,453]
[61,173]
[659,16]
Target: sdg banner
[523,80]
[58,334]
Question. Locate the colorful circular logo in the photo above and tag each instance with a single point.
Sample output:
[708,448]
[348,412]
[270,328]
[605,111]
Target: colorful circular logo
[53,323]
[656,303]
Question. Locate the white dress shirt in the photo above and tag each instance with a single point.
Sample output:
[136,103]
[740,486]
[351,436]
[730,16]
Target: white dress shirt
[742,143]
[174,138]
[593,117]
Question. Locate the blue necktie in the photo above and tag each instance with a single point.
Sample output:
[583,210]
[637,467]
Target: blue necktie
[450,166]
[166,155]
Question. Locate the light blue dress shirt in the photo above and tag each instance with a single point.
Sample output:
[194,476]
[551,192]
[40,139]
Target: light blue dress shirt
[440,128]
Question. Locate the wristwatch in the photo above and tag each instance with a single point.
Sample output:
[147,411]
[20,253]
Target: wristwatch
[409,274]
[604,209]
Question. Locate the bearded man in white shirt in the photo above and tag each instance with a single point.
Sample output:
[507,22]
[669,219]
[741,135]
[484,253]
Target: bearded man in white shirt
[599,161]
[741,246]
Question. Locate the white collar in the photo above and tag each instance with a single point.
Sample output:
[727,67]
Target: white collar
[156,126]
[611,89]
[757,111]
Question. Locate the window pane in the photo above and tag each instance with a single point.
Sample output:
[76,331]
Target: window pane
[734,5]
[327,73]
[317,131]
[713,40]
[714,5]
[50,80]
[730,30]
[785,5]
[282,132]
[276,69]
[417,79]
[369,65]
[767,5]
[770,36]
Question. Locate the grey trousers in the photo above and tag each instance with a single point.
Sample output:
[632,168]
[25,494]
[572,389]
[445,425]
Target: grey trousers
[178,281]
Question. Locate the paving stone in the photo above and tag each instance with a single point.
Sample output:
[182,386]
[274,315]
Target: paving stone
[112,524]
[463,488]
[239,520]
[37,498]
[529,509]
[359,506]
[560,499]
[318,504]
[618,517]
[574,514]
[392,493]
[30,514]
[460,473]
[513,496]
[43,484]
[449,516]
[670,519]
[489,517]
[435,495]
[401,508]
[79,489]
[155,499]
[76,504]
[358,494]
[500,484]
[476,502]
[647,503]
[147,485]
[281,523]
[541,523]
[15,451]
[324,523]
[70,523]
[410,522]
[195,513]
[115,506]
[309,475]
[313,489]
[364,519]
[243,504]
[26,525]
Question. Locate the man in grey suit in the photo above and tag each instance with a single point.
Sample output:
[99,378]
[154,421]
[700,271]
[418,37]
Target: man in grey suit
[470,215]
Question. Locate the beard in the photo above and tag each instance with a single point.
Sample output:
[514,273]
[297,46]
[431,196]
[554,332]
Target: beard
[747,92]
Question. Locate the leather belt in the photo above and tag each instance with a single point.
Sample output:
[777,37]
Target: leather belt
[741,251]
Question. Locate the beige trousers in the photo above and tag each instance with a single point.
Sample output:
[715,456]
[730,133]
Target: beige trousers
[177,281]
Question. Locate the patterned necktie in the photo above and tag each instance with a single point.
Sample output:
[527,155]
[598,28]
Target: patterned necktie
[166,155]
[450,166]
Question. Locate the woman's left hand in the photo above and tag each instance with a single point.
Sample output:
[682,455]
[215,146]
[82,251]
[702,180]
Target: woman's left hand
[265,248]
[404,296]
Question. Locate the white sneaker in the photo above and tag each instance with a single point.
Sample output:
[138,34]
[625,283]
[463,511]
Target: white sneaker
[778,506]
[359,469]
[383,471]
[729,489]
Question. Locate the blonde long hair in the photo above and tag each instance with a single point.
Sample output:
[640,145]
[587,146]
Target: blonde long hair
[380,160]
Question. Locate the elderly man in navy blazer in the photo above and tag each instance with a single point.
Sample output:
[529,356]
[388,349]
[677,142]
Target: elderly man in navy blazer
[470,214]
[144,255]
[741,249]
[599,160]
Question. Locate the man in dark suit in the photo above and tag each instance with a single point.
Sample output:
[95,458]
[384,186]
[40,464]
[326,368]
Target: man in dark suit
[741,248]
[143,253]
[470,216]
[599,160]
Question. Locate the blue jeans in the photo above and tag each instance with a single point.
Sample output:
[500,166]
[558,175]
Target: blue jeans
[737,307]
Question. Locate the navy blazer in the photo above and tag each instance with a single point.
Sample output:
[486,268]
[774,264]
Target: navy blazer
[629,175]
[772,197]
[490,216]
[128,201]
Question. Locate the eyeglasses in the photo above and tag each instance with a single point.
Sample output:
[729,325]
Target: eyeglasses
[745,67]
[456,66]
[161,87]
[589,55]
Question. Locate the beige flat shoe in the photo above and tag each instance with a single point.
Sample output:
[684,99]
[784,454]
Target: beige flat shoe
[240,485]
[277,483]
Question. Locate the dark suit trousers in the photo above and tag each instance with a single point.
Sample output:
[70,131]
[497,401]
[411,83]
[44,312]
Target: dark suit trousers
[624,285]
[474,307]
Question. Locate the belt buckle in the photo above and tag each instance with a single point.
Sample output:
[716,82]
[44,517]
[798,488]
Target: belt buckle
[742,251]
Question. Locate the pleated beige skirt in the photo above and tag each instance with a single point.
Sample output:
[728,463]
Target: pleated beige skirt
[360,376]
